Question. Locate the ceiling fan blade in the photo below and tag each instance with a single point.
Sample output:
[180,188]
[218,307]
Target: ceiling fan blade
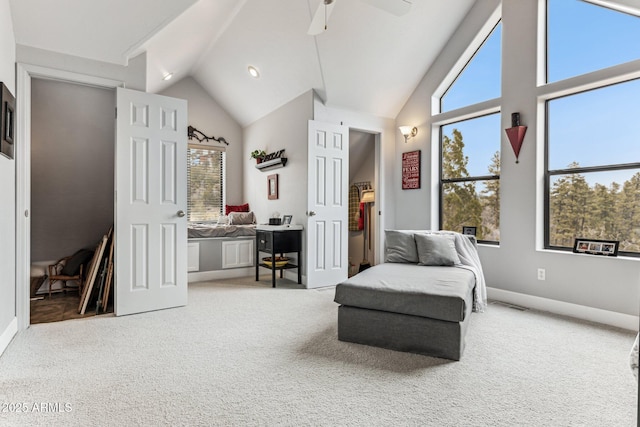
[394,7]
[320,18]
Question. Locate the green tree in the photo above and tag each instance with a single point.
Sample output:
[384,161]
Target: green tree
[460,205]
[569,209]
[629,214]
[491,201]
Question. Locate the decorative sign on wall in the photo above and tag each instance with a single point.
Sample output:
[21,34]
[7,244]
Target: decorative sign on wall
[411,170]
[7,121]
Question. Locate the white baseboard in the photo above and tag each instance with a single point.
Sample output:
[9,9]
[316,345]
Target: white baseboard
[203,276]
[612,318]
[8,335]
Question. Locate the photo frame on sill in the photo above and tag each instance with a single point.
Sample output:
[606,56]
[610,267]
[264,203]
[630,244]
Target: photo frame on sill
[286,219]
[596,247]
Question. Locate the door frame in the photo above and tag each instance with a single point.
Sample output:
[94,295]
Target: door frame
[24,74]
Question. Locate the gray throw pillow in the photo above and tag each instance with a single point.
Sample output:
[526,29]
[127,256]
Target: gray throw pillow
[401,247]
[436,249]
[241,218]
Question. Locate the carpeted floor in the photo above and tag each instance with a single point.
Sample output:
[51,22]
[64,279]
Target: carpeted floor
[243,353]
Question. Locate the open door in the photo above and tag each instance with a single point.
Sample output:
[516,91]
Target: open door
[327,210]
[151,201]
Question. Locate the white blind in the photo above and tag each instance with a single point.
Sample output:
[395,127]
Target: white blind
[205,177]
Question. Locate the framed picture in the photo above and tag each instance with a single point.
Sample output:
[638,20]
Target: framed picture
[272,186]
[469,230]
[411,170]
[596,247]
[286,219]
[7,122]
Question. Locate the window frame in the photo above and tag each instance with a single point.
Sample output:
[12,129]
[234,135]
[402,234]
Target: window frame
[442,181]
[549,173]
[223,183]
[549,91]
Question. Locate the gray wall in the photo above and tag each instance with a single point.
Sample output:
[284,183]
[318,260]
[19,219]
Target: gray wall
[285,128]
[206,115]
[72,167]
[603,283]
[8,180]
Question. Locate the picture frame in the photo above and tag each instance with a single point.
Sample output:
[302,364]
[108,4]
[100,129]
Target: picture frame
[286,219]
[596,247]
[469,230]
[411,165]
[272,187]
[7,122]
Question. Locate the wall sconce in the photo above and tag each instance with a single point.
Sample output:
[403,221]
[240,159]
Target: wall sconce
[516,134]
[408,132]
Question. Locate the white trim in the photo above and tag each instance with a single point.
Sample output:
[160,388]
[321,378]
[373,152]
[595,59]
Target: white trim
[8,334]
[203,276]
[24,73]
[612,318]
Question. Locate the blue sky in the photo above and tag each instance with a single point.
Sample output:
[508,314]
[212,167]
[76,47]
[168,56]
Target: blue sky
[593,128]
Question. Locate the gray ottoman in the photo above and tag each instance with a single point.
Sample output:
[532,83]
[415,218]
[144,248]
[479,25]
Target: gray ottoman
[407,307]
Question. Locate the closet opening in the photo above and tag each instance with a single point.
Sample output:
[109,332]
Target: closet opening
[72,199]
[362,201]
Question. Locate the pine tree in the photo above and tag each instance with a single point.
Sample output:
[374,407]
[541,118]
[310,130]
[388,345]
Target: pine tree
[569,209]
[491,201]
[461,205]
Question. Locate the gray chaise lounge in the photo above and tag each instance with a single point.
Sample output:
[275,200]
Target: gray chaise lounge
[407,306]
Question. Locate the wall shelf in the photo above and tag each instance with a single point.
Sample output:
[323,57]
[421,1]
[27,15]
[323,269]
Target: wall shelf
[280,162]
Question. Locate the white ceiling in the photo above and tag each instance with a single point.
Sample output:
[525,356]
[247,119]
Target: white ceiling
[367,60]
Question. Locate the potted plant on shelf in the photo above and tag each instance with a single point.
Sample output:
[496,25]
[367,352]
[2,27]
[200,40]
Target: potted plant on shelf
[258,155]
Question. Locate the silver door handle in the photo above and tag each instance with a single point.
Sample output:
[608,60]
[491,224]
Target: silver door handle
[180,214]
[311,213]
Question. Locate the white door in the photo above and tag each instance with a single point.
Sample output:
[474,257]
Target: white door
[327,210]
[151,202]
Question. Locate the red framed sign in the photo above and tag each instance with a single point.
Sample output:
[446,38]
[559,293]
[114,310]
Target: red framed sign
[411,170]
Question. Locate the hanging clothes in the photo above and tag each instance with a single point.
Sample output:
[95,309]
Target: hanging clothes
[354,202]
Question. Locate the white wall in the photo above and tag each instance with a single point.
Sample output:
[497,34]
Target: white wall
[206,115]
[602,283]
[8,322]
[134,75]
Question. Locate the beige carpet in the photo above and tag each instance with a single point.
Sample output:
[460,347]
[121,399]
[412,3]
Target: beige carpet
[241,354]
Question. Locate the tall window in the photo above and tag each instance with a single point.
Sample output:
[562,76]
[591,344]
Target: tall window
[470,183]
[205,177]
[592,175]
[470,147]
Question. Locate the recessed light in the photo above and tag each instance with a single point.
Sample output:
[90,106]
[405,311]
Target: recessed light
[253,71]
[167,76]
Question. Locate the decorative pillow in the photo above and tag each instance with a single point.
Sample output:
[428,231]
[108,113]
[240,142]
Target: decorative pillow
[242,218]
[400,246]
[223,220]
[236,208]
[436,249]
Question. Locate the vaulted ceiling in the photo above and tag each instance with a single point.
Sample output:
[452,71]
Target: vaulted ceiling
[370,58]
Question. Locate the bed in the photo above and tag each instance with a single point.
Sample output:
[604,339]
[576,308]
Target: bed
[204,230]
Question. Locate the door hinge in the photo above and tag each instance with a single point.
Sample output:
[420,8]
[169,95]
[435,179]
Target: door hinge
[116,113]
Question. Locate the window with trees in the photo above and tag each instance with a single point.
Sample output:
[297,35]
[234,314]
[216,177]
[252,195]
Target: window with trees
[205,178]
[470,147]
[592,173]
[470,183]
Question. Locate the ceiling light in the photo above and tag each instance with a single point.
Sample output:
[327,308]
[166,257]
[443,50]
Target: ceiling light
[253,71]
[167,76]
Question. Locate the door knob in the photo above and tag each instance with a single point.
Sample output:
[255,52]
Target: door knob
[180,214]
[311,213]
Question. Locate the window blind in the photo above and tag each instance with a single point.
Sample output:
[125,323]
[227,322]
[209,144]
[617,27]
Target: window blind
[205,178]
